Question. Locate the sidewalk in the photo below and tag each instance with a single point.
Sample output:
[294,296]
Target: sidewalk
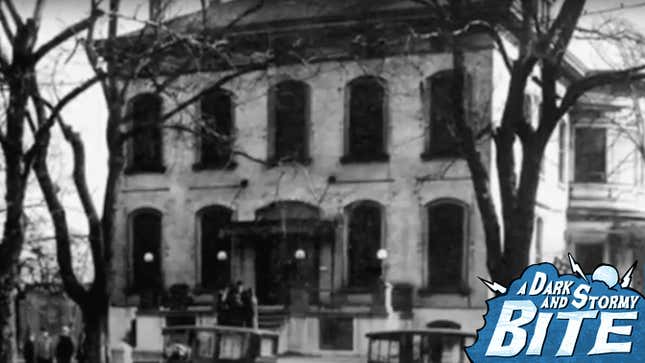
[319,359]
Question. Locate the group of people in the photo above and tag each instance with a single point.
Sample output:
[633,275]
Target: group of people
[44,349]
[236,306]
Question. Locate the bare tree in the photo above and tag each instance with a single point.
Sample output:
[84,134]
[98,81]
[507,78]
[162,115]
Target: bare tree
[543,31]
[19,58]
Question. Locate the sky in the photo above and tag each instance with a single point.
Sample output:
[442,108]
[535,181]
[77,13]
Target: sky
[88,113]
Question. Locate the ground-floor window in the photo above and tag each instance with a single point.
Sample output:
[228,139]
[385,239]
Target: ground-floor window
[364,230]
[215,248]
[146,248]
[446,241]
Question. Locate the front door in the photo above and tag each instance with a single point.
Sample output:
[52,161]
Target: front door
[277,270]
[268,285]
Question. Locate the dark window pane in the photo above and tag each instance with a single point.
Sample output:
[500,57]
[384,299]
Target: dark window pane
[590,155]
[216,272]
[146,141]
[290,120]
[589,256]
[446,245]
[364,241]
[146,233]
[366,124]
[442,141]
[217,129]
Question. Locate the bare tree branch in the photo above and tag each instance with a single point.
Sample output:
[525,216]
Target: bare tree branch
[578,88]
[241,71]
[252,9]
[67,33]
[43,128]
[6,27]
[14,13]
[559,35]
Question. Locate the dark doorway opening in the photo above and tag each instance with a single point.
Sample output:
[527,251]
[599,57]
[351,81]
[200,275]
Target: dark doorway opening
[278,270]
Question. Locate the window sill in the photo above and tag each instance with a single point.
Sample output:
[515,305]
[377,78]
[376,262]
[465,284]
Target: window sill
[462,290]
[232,165]
[376,158]
[434,155]
[134,170]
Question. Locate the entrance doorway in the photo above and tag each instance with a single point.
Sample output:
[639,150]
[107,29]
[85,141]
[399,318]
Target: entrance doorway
[277,270]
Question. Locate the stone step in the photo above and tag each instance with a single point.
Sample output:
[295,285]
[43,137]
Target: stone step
[272,317]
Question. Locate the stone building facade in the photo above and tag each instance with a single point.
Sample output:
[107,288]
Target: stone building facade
[341,200]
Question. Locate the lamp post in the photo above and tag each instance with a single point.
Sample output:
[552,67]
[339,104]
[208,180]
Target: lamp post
[149,293]
[300,255]
[299,295]
[383,293]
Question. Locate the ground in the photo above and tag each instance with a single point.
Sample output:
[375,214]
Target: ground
[310,359]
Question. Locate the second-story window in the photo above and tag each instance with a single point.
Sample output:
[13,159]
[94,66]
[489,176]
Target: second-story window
[146,143]
[289,113]
[590,155]
[216,131]
[365,139]
[441,139]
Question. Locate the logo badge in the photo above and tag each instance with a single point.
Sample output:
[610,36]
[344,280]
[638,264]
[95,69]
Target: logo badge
[544,316]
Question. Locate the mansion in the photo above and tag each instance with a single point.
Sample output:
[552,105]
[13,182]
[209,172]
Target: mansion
[333,187]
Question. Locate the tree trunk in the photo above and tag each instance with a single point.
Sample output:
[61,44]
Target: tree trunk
[7,320]
[95,344]
[520,231]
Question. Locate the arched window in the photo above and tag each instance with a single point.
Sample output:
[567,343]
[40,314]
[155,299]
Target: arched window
[364,239]
[215,248]
[446,242]
[216,131]
[289,113]
[146,249]
[365,140]
[146,142]
[441,139]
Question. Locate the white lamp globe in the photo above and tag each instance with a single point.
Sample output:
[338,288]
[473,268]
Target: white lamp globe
[148,257]
[300,254]
[222,256]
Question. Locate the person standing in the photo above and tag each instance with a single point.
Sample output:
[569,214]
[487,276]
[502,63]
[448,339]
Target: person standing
[65,347]
[44,349]
[28,349]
